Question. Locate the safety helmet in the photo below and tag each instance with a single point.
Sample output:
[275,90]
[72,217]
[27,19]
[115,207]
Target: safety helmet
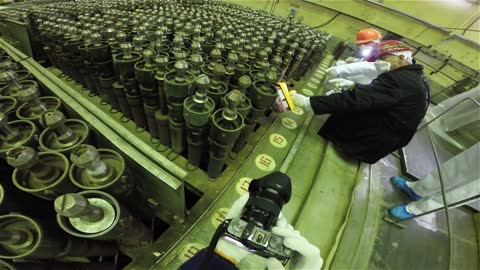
[368,35]
[388,46]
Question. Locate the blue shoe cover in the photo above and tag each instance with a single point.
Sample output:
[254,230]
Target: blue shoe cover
[401,184]
[401,212]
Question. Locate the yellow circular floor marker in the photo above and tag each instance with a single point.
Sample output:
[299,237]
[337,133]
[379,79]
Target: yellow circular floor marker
[298,110]
[219,216]
[242,185]
[289,123]
[307,92]
[278,140]
[312,85]
[315,80]
[265,162]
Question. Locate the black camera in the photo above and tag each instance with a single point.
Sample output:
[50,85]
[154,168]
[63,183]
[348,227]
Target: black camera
[252,231]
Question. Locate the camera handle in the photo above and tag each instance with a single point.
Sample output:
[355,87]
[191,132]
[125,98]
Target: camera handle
[213,243]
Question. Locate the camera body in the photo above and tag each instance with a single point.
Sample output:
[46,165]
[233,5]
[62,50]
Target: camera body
[256,239]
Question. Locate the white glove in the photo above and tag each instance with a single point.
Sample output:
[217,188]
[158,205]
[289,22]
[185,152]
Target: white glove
[334,71]
[328,93]
[382,66]
[237,206]
[342,83]
[226,249]
[350,60]
[307,256]
[230,251]
[300,100]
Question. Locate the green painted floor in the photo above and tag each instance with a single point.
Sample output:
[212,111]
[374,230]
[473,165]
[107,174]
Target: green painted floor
[323,183]
[334,179]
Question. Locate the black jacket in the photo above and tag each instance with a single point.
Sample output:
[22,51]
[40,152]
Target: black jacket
[371,121]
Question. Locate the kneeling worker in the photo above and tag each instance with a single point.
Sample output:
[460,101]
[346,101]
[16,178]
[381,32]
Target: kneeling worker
[371,121]
[359,70]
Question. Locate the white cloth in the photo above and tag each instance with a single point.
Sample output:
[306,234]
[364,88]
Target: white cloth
[360,72]
[461,176]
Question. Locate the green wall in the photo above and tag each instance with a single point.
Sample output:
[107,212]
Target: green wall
[354,15]
[451,14]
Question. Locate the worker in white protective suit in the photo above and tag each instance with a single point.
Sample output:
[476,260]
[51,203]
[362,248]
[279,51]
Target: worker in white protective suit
[461,178]
[357,69]
[366,40]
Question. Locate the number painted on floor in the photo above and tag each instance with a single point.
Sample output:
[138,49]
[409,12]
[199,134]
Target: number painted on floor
[289,123]
[243,184]
[278,140]
[265,162]
[219,216]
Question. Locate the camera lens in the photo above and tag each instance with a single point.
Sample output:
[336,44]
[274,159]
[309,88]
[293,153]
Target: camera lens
[267,197]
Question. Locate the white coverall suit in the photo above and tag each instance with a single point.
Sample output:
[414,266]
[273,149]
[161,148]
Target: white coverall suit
[362,72]
[461,177]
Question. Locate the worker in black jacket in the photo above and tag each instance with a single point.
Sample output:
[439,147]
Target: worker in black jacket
[370,121]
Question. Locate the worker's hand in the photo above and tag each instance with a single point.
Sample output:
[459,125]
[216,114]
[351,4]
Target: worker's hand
[230,251]
[382,66]
[330,92]
[226,249]
[334,71]
[350,60]
[239,204]
[300,100]
[340,84]
[306,256]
